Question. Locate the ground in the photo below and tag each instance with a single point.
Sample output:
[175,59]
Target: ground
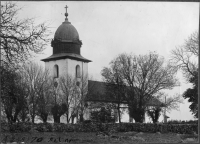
[97,138]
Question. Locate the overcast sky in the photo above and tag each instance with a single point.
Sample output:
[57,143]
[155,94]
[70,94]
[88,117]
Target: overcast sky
[111,28]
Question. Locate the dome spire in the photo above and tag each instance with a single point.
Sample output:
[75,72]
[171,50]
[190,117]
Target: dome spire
[66,14]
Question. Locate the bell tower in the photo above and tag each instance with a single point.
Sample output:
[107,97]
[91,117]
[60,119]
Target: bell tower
[66,58]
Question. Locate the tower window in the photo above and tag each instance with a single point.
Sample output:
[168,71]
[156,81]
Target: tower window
[56,71]
[78,71]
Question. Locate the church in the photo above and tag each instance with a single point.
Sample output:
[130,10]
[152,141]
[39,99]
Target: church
[67,60]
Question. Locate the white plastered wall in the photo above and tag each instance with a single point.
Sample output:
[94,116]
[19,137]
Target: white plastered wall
[67,67]
[72,67]
[61,65]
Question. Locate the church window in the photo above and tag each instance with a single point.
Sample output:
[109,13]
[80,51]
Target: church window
[56,71]
[78,71]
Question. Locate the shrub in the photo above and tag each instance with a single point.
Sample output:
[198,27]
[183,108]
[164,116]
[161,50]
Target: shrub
[94,127]
[49,127]
[19,127]
[102,116]
[182,122]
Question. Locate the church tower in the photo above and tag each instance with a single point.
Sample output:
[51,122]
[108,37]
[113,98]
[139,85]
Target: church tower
[66,58]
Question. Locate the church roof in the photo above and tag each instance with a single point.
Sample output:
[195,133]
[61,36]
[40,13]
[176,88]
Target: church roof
[66,32]
[97,94]
[66,55]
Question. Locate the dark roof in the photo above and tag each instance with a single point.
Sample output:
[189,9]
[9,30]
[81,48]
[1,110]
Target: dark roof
[66,55]
[66,32]
[96,93]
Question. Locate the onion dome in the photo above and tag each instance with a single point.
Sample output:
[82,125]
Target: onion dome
[66,38]
[66,32]
[66,42]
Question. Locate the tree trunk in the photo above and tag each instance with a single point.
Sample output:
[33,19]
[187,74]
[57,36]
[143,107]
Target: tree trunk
[119,115]
[44,120]
[140,111]
[15,115]
[14,120]
[8,117]
[44,117]
[116,115]
[137,114]
[33,114]
[32,118]
[56,118]
[67,115]
[23,117]
[81,117]
[73,116]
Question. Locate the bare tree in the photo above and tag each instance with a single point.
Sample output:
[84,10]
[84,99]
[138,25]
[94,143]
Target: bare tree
[74,92]
[84,90]
[145,76]
[154,113]
[24,114]
[45,99]
[186,56]
[171,103]
[186,59]
[36,78]
[69,91]
[115,87]
[20,38]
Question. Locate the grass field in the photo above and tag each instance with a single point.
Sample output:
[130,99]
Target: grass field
[90,138]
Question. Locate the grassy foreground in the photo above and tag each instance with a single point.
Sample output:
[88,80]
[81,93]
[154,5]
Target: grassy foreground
[97,138]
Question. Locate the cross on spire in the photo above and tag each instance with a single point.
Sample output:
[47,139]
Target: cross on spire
[66,14]
[66,8]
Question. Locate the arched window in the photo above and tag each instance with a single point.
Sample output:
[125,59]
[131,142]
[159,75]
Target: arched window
[56,71]
[78,71]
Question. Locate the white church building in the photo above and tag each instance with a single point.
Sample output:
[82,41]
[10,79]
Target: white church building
[67,60]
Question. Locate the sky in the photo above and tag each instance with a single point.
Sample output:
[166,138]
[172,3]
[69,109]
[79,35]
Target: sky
[108,29]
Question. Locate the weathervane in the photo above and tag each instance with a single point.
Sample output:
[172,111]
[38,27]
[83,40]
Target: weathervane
[66,14]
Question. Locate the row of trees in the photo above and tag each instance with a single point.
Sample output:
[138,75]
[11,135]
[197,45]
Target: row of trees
[31,92]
